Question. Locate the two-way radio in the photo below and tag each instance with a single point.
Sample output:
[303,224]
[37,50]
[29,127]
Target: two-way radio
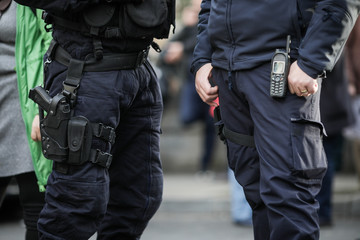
[280,64]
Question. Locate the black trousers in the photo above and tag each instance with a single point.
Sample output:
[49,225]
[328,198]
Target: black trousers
[118,202]
[281,175]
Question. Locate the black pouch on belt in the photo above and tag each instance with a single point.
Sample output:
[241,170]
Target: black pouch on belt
[79,140]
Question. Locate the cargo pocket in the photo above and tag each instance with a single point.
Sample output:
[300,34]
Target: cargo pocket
[309,159]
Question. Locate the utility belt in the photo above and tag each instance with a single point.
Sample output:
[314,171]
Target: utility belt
[67,139]
[110,62]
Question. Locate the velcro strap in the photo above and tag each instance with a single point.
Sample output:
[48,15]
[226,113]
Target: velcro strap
[101,158]
[239,138]
[106,133]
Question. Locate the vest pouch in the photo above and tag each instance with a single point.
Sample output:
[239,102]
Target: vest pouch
[53,129]
[151,18]
[79,140]
[98,16]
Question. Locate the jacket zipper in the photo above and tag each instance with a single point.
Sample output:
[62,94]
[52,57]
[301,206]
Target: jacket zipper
[229,28]
[231,36]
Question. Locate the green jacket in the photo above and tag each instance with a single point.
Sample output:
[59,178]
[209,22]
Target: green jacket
[31,44]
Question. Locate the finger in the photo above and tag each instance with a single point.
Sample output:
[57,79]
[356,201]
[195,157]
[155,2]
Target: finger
[208,95]
[312,87]
[38,135]
[302,91]
[35,129]
[291,89]
[34,135]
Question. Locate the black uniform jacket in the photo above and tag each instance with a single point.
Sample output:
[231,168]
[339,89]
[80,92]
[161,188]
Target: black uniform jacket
[241,34]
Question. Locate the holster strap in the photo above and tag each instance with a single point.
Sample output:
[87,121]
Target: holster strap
[241,139]
[224,133]
[101,158]
[106,133]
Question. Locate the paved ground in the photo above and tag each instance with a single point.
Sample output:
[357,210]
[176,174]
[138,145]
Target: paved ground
[199,210]
[196,208]
[218,227]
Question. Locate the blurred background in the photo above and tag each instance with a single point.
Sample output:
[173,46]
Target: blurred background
[198,193]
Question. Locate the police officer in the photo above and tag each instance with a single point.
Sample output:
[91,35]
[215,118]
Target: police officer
[274,143]
[101,85]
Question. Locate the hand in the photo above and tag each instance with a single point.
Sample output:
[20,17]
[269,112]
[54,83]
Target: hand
[203,87]
[35,129]
[300,83]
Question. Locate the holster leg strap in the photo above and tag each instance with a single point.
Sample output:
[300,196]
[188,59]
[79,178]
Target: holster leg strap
[239,138]
[101,158]
[225,133]
[106,133]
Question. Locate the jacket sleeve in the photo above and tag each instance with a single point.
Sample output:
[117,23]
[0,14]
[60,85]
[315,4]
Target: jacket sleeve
[326,35]
[203,51]
[60,6]
[30,45]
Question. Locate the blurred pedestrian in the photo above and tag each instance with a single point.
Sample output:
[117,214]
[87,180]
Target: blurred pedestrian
[274,143]
[16,22]
[176,59]
[352,60]
[352,66]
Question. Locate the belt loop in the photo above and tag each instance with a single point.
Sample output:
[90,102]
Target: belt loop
[98,49]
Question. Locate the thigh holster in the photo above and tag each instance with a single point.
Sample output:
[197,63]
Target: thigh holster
[53,128]
[67,139]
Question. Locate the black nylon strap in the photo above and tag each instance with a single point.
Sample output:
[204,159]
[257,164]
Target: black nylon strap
[101,158]
[111,62]
[74,73]
[51,50]
[106,133]
[73,78]
[239,138]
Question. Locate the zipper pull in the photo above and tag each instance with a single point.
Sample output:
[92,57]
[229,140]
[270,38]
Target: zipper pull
[155,46]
